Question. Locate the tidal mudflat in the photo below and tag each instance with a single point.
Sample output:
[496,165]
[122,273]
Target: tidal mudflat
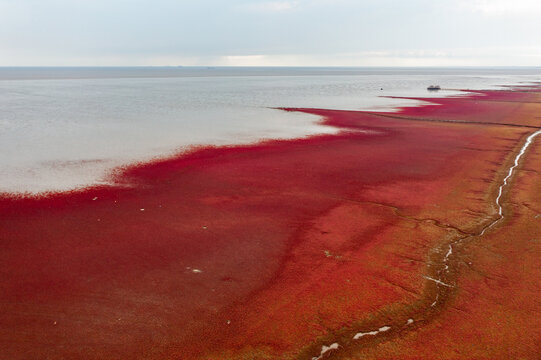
[412,234]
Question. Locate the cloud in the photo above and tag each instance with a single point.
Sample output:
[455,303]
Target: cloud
[502,7]
[269,32]
[271,6]
[525,56]
[243,60]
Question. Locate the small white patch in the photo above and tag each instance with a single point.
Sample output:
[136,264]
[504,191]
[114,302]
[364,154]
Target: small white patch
[361,334]
[54,323]
[330,254]
[325,349]
[142,209]
[228,322]
[449,252]
[409,322]
[204,228]
[96,198]
[371,333]
[197,271]
[437,281]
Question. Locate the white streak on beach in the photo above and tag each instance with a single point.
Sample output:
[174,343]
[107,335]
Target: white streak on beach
[435,300]
[325,349]
[371,333]
[437,281]
[449,252]
[528,142]
[499,205]
[529,139]
[446,258]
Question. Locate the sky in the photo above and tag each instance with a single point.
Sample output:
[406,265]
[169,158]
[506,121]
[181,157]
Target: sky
[270,33]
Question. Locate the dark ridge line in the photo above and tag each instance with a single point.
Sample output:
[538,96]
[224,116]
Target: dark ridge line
[520,91]
[509,101]
[411,118]
[387,115]
[511,89]
[470,98]
[397,212]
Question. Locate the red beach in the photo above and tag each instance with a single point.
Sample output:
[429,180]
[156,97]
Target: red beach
[383,241]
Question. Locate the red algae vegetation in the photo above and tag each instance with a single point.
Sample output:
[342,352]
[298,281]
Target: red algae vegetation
[382,241]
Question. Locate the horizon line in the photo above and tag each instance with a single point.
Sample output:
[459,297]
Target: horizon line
[276,66]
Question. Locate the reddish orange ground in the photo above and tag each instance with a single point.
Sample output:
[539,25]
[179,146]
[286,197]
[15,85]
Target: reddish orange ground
[295,244]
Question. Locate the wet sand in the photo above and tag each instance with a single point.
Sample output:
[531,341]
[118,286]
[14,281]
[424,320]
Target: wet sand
[332,246]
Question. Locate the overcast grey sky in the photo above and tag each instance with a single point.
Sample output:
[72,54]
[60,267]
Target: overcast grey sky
[281,32]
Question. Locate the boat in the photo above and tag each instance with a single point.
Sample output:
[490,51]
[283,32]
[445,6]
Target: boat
[434,87]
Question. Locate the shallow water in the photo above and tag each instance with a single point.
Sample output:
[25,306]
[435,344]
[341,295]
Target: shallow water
[63,128]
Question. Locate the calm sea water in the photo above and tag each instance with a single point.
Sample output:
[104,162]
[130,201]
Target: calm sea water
[65,128]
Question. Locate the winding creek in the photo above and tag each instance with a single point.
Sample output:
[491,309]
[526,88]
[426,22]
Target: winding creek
[440,280]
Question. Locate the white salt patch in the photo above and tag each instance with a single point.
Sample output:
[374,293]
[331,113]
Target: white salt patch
[142,209]
[325,349]
[361,334]
[197,271]
[435,300]
[409,322]
[449,252]
[96,198]
[437,281]
[371,333]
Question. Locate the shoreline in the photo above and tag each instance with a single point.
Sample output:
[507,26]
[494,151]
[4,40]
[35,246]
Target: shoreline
[379,175]
[95,148]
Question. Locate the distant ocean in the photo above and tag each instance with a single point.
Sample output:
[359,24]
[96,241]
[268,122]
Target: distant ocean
[66,128]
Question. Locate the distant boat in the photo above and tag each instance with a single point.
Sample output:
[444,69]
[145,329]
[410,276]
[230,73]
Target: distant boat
[434,87]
